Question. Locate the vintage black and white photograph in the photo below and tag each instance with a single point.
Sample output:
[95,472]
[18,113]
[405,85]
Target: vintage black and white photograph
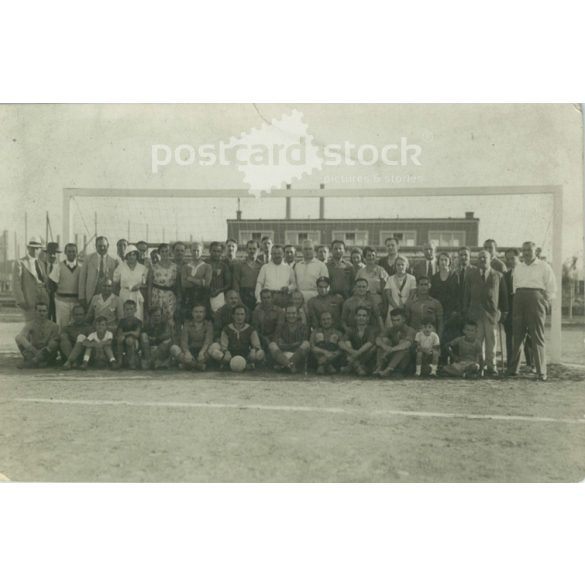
[292,293]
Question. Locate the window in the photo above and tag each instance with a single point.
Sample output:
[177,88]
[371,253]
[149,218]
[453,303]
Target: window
[447,238]
[245,235]
[404,238]
[352,238]
[296,238]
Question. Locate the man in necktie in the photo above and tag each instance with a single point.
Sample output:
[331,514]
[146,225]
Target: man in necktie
[52,251]
[95,271]
[486,302]
[463,267]
[512,259]
[428,266]
[30,281]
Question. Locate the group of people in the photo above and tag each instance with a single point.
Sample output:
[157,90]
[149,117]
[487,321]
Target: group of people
[333,310]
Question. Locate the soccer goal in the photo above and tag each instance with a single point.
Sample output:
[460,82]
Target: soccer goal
[135,216]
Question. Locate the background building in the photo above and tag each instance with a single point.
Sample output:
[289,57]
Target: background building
[410,232]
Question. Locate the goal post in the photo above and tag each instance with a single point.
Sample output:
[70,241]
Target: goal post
[555,191]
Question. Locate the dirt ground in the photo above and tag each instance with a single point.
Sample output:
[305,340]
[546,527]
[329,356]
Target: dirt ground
[181,427]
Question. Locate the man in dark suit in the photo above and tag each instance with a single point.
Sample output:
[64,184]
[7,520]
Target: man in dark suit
[486,303]
[52,251]
[30,281]
[98,268]
[463,267]
[429,265]
[512,258]
[492,247]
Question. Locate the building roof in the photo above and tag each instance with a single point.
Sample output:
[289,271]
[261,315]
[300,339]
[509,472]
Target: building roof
[355,220]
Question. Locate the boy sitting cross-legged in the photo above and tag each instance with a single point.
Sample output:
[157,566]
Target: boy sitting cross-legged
[128,336]
[325,346]
[290,346]
[156,340]
[359,344]
[238,339]
[394,346]
[98,346]
[72,338]
[39,340]
[196,338]
[466,353]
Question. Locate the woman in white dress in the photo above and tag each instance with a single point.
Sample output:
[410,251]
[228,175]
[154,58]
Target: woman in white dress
[129,278]
[399,286]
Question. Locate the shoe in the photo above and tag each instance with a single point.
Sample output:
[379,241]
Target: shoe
[320,370]
[542,378]
[433,374]
[67,366]
[331,370]
[84,366]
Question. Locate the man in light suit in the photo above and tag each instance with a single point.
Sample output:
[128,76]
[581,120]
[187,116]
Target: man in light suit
[485,301]
[98,268]
[429,265]
[30,281]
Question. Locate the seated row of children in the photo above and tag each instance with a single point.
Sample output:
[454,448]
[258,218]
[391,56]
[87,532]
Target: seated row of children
[362,348]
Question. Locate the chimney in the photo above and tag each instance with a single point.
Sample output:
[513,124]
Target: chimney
[469,215]
[288,203]
[239,215]
[322,203]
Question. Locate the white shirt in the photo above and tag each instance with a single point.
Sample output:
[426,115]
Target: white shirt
[30,264]
[427,341]
[94,337]
[538,274]
[274,277]
[307,274]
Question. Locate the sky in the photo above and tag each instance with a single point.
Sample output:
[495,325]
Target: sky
[46,148]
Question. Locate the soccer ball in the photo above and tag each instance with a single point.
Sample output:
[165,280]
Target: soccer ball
[237,364]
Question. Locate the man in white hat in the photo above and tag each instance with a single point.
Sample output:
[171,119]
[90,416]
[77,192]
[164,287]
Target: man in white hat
[30,280]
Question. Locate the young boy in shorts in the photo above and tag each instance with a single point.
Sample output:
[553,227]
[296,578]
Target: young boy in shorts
[72,338]
[466,353]
[156,340]
[325,346]
[428,348]
[290,345]
[128,336]
[98,346]
[196,339]
[238,338]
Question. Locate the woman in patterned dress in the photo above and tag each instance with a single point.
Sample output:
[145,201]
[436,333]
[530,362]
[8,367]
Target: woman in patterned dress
[162,284]
[129,277]
[376,277]
[196,278]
